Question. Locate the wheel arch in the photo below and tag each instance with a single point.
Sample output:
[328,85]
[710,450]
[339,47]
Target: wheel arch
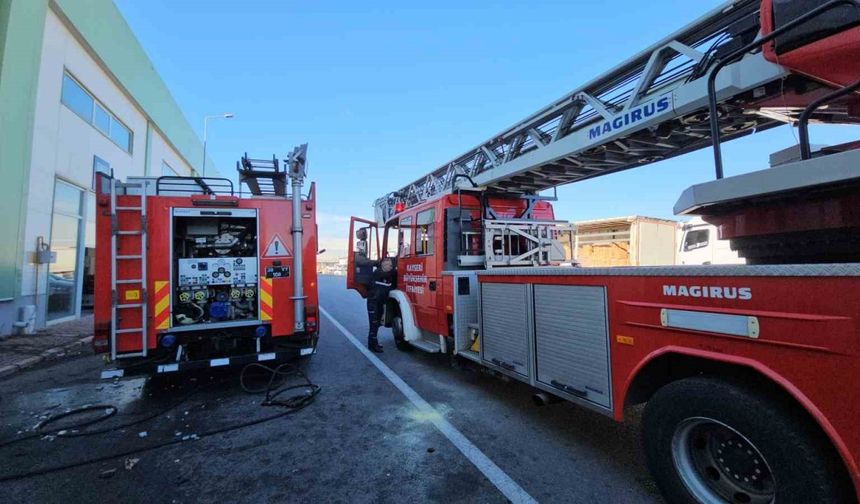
[404,307]
[675,363]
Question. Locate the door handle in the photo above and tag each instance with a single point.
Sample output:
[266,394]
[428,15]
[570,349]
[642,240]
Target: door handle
[567,388]
[433,285]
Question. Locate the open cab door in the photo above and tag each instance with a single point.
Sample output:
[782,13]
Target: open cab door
[363,253]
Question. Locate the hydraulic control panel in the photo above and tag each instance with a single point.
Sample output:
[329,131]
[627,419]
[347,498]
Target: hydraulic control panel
[217,271]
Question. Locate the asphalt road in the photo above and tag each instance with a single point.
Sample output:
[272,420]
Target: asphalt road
[362,440]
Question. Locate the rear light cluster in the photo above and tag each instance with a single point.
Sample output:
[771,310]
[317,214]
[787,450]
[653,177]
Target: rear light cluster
[311,317]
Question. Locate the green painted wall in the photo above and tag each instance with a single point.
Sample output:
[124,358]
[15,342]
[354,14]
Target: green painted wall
[22,23]
[101,24]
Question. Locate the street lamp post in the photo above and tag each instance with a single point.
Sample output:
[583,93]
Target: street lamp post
[205,131]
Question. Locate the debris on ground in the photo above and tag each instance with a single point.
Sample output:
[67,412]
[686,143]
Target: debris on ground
[130,463]
[107,473]
[142,434]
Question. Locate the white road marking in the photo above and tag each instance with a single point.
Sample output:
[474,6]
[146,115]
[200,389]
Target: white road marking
[497,477]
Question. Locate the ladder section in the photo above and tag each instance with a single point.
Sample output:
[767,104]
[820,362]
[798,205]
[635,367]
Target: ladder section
[263,177]
[129,306]
[652,107]
[525,242]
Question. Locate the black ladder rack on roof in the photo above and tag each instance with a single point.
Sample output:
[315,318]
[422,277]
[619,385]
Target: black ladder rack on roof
[176,185]
[263,177]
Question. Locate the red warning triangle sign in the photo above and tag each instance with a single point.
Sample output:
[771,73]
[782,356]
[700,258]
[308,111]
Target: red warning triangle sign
[276,248]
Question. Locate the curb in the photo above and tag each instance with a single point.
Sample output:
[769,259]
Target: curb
[51,353]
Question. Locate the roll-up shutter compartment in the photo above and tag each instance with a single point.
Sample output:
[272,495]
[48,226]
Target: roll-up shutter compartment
[571,341]
[505,326]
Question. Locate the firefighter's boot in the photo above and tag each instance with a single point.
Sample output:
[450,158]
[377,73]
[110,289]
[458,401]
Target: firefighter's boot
[373,344]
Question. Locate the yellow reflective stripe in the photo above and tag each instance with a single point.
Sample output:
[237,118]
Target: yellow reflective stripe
[266,298]
[162,305]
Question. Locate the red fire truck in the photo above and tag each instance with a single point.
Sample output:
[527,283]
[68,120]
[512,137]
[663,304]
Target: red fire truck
[191,273]
[747,372]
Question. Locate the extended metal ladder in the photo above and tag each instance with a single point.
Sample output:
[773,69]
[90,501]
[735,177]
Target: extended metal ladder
[117,306]
[651,107]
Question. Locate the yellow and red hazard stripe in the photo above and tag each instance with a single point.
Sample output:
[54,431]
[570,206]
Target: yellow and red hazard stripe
[266,299]
[162,305]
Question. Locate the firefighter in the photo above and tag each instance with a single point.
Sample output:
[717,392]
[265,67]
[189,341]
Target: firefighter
[377,293]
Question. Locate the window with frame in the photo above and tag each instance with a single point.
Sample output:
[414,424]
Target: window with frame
[696,239]
[99,166]
[424,232]
[405,237]
[87,107]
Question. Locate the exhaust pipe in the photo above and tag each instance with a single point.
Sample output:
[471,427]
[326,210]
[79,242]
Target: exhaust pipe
[544,399]
[298,170]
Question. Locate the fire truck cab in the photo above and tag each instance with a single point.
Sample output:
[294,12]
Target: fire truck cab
[432,241]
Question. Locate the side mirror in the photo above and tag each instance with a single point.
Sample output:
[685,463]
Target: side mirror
[320,252]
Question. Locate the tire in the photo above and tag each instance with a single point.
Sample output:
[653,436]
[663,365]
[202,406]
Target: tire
[399,335]
[696,429]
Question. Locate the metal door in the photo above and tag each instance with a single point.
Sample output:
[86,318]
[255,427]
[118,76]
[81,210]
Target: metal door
[571,346]
[505,326]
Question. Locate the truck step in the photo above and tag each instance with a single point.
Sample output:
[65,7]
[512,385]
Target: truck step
[130,281]
[133,305]
[129,257]
[427,346]
[128,208]
[129,233]
[130,330]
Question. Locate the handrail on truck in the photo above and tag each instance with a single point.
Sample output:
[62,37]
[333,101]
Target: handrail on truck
[803,122]
[737,54]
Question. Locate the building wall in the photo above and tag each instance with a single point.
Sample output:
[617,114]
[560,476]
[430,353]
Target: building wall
[21,23]
[40,41]
[162,152]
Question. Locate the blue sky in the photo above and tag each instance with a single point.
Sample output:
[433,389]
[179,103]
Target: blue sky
[384,92]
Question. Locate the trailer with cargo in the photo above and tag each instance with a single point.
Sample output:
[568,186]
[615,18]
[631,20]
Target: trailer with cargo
[746,371]
[625,241]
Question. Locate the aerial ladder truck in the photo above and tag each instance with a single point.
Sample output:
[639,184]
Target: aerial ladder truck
[748,372]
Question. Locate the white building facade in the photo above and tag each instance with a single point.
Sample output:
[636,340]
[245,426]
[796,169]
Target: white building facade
[83,116]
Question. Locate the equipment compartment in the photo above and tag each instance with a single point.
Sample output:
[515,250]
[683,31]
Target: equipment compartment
[572,351]
[505,326]
[215,267]
[465,292]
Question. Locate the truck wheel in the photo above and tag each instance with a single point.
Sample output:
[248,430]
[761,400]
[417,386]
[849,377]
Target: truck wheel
[710,441]
[399,335]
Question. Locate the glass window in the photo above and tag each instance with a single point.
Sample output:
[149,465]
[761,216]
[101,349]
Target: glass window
[424,232]
[81,102]
[67,199]
[65,242]
[99,166]
[120,134]
[405,241]
[696,239]
[102,119]
[78,100]
[392,239]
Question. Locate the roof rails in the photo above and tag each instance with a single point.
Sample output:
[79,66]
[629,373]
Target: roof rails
[174,184]
[263,177]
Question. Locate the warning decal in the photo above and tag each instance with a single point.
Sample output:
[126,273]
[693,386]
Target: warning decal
[276,248]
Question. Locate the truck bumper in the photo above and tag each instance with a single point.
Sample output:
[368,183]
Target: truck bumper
[157,368]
